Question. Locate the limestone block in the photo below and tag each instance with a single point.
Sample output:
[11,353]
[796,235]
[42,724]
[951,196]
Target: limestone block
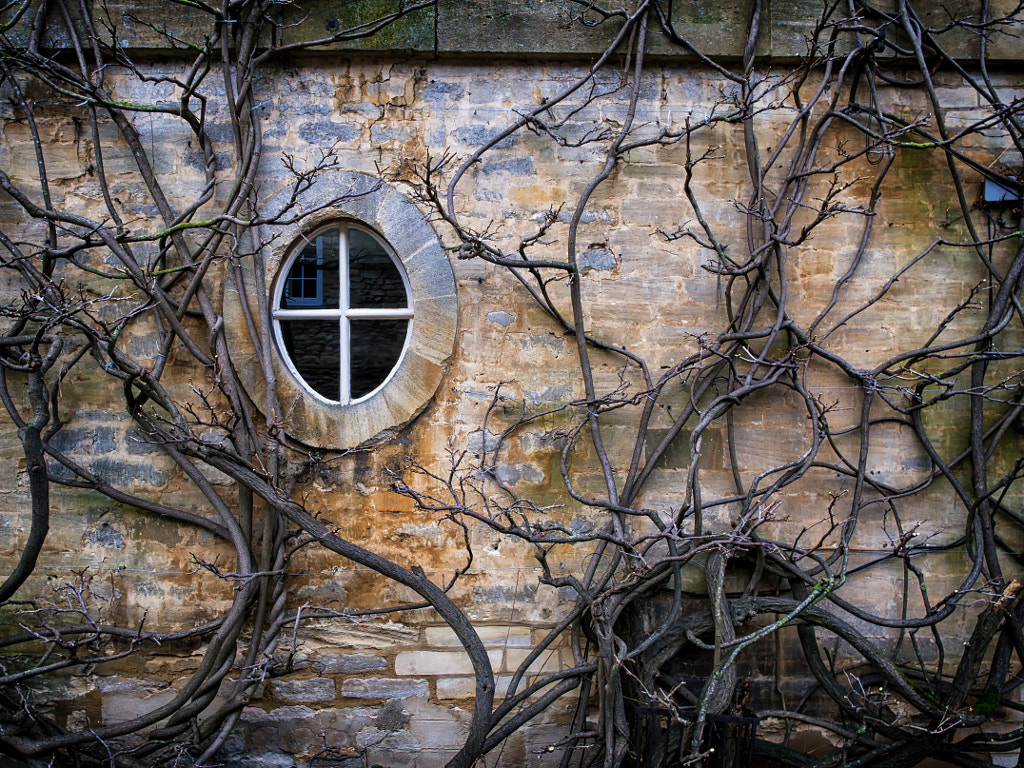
[383,688]
[376,636]
[465,687]
[312,689]
[547,662]
[386,740]
[438,662]
[127,698]
[514,635]
[347,663]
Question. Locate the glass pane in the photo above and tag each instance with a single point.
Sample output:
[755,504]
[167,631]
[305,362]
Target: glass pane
[314,347]
[376,346]
[374,280]
[312,281]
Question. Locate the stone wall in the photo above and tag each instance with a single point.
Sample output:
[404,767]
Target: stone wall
[396,692]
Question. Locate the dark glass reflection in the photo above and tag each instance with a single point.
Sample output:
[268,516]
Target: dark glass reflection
[312,281]
[376,346]
[314,347]
[374,280]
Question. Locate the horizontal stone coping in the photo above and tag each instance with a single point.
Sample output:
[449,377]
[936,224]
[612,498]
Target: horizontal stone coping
[525,28]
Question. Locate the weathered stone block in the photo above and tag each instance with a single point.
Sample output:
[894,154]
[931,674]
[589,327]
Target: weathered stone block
[312,689]
[465,687]
[515,635]
[127,698]
[347,663]
[438,662]
[549,661]
[383,688]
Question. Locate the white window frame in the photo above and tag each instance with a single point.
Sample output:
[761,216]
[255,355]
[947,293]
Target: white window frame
[344,313]
[317,299]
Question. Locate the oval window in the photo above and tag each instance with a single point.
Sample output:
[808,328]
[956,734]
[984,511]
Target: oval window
[340,281]
[342,312]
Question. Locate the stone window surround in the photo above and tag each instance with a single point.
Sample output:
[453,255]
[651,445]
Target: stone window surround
[381,208]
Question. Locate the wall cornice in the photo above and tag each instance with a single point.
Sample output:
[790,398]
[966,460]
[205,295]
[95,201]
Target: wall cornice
[563,29]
